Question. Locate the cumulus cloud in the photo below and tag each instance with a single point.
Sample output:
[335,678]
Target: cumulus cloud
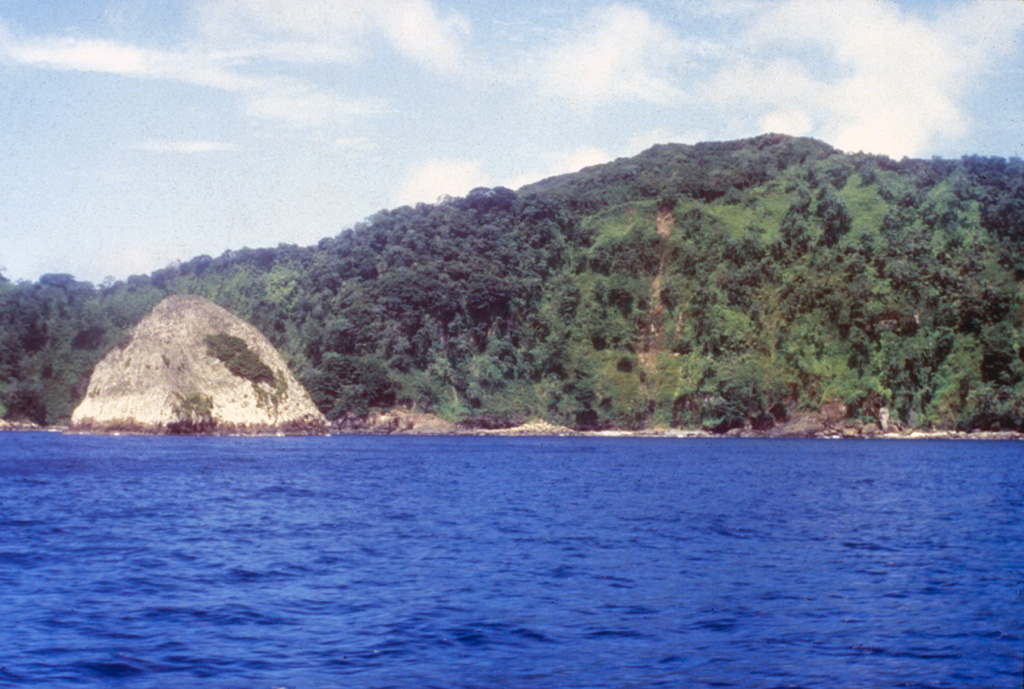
[428,181]
[417,31]
[864,74]
[617,53]
[763,83]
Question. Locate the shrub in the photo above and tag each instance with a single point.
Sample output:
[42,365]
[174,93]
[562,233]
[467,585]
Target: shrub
[240,360]
[194,414]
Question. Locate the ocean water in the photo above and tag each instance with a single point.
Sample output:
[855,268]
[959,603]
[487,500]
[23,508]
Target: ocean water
[509,562]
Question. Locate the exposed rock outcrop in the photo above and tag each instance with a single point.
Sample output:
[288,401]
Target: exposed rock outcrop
[6,425]
[539,427]
[192,367]
[800,425]
[398,421]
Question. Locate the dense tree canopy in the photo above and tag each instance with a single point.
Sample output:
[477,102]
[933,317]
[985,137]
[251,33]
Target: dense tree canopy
[716,285]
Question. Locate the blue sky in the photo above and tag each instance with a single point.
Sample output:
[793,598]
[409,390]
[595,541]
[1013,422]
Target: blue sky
[135,133]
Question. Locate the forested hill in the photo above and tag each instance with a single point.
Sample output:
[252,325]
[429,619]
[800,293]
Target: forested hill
[718,285]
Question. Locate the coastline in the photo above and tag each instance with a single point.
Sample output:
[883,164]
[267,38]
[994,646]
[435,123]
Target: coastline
[680,433]
[411,424]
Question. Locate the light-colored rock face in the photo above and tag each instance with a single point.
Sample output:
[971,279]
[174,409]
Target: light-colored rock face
[166,375]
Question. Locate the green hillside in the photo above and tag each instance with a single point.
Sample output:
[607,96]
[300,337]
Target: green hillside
[713,286]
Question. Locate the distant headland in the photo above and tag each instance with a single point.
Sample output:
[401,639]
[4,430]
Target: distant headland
[771,286]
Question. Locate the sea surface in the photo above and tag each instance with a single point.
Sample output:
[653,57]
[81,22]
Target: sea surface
[509,562]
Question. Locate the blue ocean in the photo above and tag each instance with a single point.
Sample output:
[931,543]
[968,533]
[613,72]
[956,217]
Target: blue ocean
[358,561]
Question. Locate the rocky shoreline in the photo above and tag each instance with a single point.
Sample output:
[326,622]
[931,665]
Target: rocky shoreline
[400,422]
[807,425]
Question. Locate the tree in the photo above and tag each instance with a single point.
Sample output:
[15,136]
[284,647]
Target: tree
[835,218]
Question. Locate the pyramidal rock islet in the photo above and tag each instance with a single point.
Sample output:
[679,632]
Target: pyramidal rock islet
[191,366]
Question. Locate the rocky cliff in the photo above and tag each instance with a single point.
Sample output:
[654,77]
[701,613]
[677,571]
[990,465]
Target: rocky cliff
[192,367]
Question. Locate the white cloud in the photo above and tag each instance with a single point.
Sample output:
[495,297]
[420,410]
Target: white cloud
[186,147]
[763,83]
[110,57]
[82,55]
[292,101]
[721,8]
[984,28]
[618,53]
[334,30]
[417,31]
[427,182]
[300,104]
[863,74]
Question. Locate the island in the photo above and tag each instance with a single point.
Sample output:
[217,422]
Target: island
[771,286]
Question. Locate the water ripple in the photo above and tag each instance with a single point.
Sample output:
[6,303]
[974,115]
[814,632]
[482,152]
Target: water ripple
[487,562]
